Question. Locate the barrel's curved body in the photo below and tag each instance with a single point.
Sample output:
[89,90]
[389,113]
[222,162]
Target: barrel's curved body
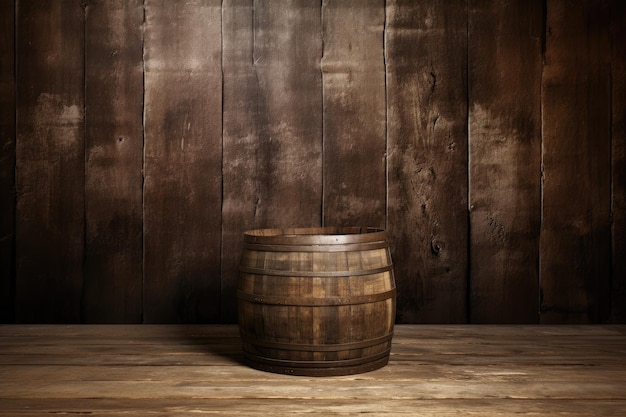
[316,301]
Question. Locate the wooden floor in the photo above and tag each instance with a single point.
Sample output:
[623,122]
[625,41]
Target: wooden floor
[470,370]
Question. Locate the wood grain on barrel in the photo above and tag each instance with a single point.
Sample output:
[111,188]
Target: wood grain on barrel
[306,310]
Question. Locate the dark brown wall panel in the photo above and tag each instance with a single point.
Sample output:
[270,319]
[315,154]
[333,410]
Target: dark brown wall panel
[7,161]
[241,143]
[618,112]
[113,161]
[272,124]
[426,51]
[182,195]
[50,160]
[505,159]
[575,232]
[353,69]
[139,140]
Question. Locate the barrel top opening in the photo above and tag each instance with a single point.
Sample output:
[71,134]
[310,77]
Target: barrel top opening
[315,235]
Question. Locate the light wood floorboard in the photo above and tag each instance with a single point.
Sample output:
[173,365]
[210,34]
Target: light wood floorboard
[434,370]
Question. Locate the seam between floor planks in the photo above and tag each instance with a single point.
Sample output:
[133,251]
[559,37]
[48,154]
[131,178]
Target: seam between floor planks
[439,370]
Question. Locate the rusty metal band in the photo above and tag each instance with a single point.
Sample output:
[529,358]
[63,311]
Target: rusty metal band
[314,274]
[315,301]
[349,247]
[337,347]
[286,363]
[321,236]
[319,372]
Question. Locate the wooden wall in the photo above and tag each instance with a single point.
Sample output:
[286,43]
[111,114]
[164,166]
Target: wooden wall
[139,139]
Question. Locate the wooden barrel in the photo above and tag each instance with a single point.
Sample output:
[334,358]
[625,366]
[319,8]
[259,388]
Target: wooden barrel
[316,301]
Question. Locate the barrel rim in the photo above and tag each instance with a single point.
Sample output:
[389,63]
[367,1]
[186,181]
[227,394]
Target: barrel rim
[315,235]
[318,369]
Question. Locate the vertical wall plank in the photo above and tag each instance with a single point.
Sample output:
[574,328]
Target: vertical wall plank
[353,69]
[575,233]
[114,158]
[182,194]
[306,89]
[505,159]
[50,160]
[426,50]
[618,108]
[272,124]
[241,120]
[7,161]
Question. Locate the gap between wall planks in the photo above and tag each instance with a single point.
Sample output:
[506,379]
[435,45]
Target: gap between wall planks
[269,144]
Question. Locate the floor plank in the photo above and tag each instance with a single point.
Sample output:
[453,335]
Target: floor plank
[434,370]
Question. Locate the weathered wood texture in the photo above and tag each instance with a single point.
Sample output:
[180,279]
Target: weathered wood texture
[183,157]
[618,149]
[353,69]
[7,161]
[113,271]
[505,160]
[272,124]
[426,58]
[434,370]
[140,139]
[576,105]
[50,148]
[305,310]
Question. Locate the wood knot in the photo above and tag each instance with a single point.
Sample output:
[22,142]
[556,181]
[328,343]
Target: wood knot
[436,247]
